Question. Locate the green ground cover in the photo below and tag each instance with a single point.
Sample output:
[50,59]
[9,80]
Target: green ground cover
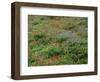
[56,40]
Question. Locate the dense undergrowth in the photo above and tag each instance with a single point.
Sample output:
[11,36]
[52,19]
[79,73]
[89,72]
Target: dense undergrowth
[57,40]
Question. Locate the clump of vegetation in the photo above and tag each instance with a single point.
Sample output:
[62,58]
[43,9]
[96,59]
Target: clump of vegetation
[62,37]
[54,51]
[78,52]
[56,40]
[39,36]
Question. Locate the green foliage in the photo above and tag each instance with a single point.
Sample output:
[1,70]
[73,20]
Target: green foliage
[39,36]
[62,37]
[41,39]
[51,17]
[78,52]
[57,40]
[55,51]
